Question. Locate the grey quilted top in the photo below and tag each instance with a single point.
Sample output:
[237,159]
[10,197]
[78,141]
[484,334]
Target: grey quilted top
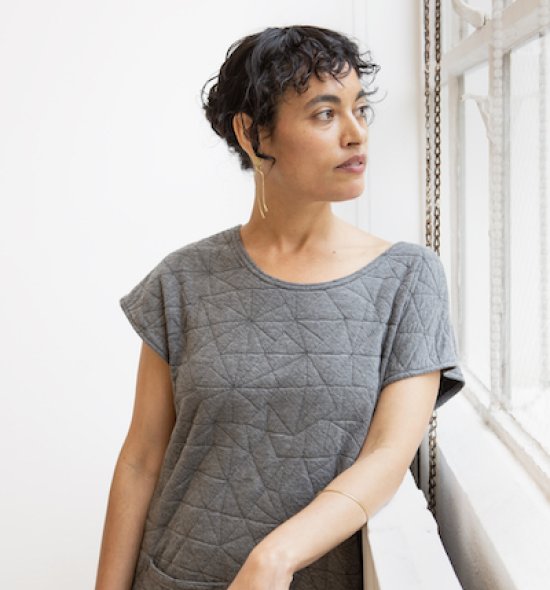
[275,384]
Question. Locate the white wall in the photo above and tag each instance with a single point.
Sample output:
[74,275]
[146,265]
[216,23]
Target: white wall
[106,165]
[394,190]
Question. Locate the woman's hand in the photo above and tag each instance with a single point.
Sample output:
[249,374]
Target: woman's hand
[264,569]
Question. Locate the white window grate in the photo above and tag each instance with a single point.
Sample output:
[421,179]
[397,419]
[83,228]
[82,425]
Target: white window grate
[498,102]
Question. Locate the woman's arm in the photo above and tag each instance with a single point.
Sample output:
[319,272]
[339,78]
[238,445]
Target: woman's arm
[136,472]
[398,425]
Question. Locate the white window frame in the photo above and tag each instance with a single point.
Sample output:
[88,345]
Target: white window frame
[520,22]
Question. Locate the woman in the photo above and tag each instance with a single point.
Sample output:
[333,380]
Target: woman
[290,365]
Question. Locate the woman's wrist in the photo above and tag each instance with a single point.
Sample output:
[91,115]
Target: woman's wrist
[273,556]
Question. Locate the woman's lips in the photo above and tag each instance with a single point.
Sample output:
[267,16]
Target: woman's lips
[355,165]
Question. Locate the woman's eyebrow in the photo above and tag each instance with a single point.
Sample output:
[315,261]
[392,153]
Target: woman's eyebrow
[331,98]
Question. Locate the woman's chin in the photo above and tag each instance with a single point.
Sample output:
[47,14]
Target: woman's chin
[347,196]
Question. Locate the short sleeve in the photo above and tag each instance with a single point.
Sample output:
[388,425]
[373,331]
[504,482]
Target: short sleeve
[424,339]
[152,308]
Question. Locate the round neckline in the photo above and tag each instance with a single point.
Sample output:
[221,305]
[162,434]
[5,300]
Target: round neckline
[236,239]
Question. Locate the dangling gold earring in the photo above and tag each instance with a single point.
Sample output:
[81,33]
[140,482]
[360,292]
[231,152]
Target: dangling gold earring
[262,205]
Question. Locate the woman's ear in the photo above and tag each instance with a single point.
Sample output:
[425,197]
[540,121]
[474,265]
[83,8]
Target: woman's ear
[241,125]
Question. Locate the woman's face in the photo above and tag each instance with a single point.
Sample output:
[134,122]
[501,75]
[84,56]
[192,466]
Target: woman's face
[315,133]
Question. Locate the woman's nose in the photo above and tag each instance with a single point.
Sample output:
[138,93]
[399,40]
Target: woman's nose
[354,131]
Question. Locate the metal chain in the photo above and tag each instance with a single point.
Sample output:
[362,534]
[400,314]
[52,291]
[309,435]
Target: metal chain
[432,432]
[437,125]
[427,123]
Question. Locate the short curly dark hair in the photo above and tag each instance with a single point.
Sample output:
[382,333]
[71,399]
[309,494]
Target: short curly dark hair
[259,68]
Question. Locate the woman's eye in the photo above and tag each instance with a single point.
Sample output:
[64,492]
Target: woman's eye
[364,111]
[325,115]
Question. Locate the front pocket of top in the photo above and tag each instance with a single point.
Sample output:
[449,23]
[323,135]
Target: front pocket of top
[155,579]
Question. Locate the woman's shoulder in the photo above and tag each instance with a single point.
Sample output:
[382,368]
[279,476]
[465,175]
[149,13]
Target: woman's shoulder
[408,263]
[198,252]
[400,249]
[403,259]
[378,244]
[418,258]
[420,265]
[414,249]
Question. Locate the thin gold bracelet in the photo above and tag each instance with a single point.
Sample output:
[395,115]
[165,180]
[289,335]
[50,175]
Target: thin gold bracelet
[349,496]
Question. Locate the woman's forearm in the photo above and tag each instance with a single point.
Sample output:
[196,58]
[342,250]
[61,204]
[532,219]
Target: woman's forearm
[129,498]
[331,518]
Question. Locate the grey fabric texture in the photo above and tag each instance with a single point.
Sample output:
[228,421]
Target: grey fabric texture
[275,384]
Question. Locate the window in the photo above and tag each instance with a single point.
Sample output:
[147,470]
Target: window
[497,105]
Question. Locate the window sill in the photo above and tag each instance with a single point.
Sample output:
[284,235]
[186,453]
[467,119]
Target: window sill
[494,520]
[402,548]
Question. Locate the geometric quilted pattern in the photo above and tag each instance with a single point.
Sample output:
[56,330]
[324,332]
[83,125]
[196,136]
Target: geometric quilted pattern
[275,384]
